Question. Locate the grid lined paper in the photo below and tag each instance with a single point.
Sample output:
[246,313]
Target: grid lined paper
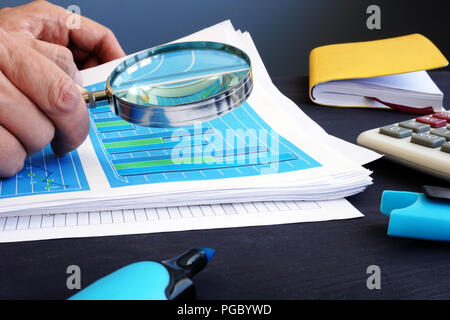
[80,219]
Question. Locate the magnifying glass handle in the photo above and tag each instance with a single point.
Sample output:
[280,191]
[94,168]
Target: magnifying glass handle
[91,98]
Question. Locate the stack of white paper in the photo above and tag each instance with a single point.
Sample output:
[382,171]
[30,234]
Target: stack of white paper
[162,219]
[278,153]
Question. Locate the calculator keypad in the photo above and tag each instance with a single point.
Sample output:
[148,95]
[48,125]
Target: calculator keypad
[443,115]
[431,131]
[428,140]
[415,126]
[446,147]
[432,121]
[442,132]
[396,131]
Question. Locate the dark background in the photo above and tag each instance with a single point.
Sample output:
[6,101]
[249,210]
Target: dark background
[324,260]
[284,31]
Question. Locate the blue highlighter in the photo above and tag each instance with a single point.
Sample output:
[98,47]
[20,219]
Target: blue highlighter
[418,215]
[150,280]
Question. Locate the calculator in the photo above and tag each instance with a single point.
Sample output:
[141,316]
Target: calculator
[422,143]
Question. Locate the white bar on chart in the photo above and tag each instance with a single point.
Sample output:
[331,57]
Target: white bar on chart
[163,213]
[218,210]
[196,211]
[239,208]
[11,223]
[128,215]
[140,215]
[174,213]
[106,217]
[185,212]
[83,218]
[207,210]
[94,217]
[151,214]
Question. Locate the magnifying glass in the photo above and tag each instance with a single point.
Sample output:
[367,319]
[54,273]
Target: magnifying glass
[178,84]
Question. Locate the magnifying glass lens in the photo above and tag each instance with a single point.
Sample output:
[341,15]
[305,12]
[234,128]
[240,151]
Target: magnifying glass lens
[179,77]
[178,84]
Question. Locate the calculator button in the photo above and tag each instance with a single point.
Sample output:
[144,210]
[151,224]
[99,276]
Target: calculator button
[442,132]
[415,126]
[432,121]
[446,147]
[443,115]
[396,132]
[428,140]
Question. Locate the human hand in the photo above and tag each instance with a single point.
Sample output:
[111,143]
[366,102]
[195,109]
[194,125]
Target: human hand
[40,99]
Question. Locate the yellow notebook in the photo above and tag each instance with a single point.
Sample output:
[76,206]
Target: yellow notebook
[388,73]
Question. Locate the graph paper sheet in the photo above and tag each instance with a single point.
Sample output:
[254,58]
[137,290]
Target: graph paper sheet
[43,173]
[133,155]
[120,222]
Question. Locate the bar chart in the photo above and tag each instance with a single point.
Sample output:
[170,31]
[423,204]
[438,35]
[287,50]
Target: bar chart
[237,144]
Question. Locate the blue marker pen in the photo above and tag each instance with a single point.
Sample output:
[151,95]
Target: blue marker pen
[150,280]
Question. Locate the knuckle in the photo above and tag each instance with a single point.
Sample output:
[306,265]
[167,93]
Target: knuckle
[108,32]
[65,55]
[66,62]
[64,97]
[108,35]
[10,48]
[40,3]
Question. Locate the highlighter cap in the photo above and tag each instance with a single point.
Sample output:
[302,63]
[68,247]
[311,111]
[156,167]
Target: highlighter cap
[414,215]
[192,261]
[183,268]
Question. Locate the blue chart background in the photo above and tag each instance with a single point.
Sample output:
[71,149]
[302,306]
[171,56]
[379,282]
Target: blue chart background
[257,148]
[45,173]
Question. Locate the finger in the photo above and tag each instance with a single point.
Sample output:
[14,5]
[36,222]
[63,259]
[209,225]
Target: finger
[60,55]
[96,39]
[82,90]
[51,23]
[79,56]
[90,62]
[23,119]
[12,154]
[49,88]
[83,58]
